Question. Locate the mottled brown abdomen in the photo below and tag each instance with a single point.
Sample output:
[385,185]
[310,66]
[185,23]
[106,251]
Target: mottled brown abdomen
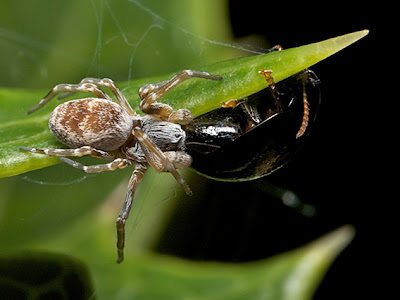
[98,123]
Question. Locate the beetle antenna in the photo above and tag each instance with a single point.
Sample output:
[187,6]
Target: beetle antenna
[306,111]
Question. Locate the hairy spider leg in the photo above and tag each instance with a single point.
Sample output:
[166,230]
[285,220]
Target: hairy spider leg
[110,84]
[78,152]
[64,87]
[157,90]
[134,181]
[180,159]
[150,93]
[118,163]
[157,159]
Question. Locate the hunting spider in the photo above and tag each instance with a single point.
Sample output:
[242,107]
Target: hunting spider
[104,129]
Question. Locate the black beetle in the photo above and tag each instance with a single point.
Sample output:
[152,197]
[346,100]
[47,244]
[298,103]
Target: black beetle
[258,135]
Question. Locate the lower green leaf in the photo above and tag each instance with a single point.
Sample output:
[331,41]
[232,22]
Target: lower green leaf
[39,275]
[293,275]
[61,223]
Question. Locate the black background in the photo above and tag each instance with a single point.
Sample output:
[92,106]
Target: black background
[334,172]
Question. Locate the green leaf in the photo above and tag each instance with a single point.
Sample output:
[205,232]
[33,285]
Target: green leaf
[44,204]
[293,275]
[33,275]
[240,79]
[59,221]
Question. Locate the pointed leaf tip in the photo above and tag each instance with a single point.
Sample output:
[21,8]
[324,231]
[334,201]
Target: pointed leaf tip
[345,40]
[314,261]
[335,241]
[333,45]
[305,56]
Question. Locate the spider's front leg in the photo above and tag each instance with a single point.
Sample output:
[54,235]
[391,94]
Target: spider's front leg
[150,93]
[80,87]
[110,84]
[134,181]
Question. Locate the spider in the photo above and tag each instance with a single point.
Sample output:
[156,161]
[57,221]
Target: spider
[105,129]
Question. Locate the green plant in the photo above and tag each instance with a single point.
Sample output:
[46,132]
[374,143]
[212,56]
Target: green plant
[61,210]
[240,79]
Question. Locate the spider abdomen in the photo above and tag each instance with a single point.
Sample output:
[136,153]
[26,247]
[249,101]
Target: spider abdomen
[99,123]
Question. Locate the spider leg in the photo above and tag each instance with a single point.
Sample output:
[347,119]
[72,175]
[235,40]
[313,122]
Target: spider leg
[157,90]
[78,152]
[110,84]
[157,159]
[180,160]
[150,93]
[134,181]
[118,163]
[64,87]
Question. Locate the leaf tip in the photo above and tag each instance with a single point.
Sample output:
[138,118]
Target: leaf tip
[317,257]
[340,238]
[347,39]
[365,32]
[357,35]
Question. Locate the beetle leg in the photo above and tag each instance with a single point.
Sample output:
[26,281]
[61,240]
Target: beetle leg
[273,89]
[275,94]
[134,181]
[251,112]
[253,117]
[275,48]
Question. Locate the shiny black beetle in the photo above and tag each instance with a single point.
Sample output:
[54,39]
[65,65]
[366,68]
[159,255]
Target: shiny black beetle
[257,135]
